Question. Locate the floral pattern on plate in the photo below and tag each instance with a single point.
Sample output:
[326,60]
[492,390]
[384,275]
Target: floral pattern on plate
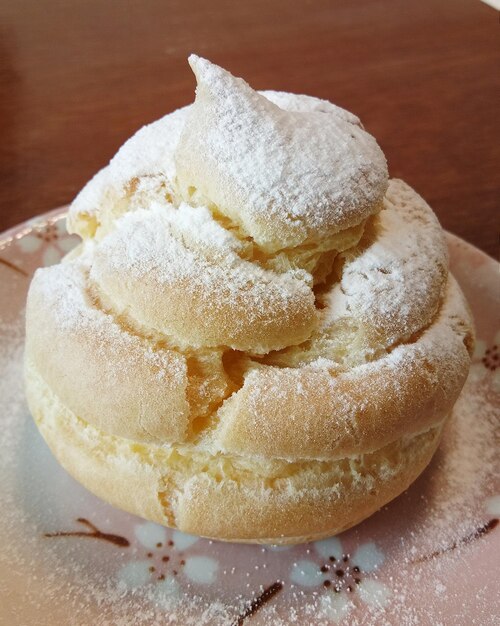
[430,556]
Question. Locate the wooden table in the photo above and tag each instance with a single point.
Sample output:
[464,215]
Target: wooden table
[77,77]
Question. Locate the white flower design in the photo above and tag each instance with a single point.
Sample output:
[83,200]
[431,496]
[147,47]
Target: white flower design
[164,561]
[344,576]
[493,505]
[53,237]
[486,362]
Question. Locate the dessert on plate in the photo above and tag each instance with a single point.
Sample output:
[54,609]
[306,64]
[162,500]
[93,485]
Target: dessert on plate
[258,338]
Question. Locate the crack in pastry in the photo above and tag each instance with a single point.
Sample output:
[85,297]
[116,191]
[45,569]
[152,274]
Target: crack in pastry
[181,481]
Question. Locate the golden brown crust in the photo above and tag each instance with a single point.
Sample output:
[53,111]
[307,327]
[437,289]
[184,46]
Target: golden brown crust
[188,281]
[307,405]
[114,380]
[320,499]
[260,346]
[321,507]
[334,412]
[315,412]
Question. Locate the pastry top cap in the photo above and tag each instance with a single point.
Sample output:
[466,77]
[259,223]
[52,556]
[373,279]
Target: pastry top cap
[246,195]
[285,177]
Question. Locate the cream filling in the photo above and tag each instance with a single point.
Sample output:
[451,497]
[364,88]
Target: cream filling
[182,461]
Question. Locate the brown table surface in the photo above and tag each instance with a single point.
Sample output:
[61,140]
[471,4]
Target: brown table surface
[77,77]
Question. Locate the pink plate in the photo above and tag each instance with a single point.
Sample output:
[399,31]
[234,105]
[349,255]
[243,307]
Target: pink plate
[430,557]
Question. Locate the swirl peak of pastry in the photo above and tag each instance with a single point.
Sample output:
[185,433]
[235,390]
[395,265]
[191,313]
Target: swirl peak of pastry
[286,177]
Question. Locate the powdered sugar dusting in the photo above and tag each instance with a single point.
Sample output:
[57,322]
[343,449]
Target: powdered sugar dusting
[467,457]
[395,283]
[81,583]
[144,385]
[77,582]
[148,157]
[184,254]
[146,162]
[63,289]
[149,241]
[285,176]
